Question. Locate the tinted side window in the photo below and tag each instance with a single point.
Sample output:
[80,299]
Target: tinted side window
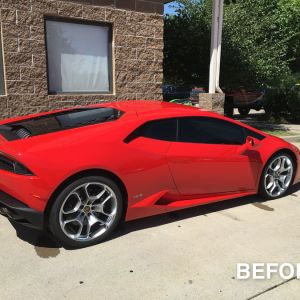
[164,130]
[254,134]
[207,130]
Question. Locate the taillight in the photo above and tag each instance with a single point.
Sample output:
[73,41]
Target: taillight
[10,165]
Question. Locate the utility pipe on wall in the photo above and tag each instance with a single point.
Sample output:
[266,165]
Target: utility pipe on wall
[216,45]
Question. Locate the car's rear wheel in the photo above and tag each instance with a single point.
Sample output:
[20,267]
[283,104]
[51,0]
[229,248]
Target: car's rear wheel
[228,107]
[86,211]
[244,111]
[277,176]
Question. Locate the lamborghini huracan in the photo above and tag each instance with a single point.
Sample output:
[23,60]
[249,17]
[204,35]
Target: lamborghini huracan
[80,172]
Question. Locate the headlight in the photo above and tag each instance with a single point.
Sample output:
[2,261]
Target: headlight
[10,165]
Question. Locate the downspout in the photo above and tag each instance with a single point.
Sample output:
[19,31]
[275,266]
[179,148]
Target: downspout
[213,47]
[216,45]
[221,15]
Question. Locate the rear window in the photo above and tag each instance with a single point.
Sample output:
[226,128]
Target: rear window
[163,130]
[85,117]
[59,121]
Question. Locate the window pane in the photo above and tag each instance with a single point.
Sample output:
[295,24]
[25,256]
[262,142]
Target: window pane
[2,87]
[63,120]
[160,130]
[78,57]
[77,118]
[254,134]
[209,131]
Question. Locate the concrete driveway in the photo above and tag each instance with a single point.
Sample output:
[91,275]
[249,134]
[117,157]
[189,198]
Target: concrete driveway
[187,254]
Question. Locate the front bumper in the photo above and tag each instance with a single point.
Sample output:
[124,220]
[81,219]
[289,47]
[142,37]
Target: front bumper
[19,212]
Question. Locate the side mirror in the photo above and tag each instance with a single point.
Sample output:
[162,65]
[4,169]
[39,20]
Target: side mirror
[250,144]
[251,141]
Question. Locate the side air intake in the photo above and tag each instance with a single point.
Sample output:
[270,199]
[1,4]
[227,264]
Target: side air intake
[10,165]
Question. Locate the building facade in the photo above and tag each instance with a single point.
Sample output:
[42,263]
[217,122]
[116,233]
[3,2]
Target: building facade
[56,54]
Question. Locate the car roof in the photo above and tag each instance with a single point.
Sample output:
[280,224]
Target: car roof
[152,109]
[146,108]
[142,106]
[142,110]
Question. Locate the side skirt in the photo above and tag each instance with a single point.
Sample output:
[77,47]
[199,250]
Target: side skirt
[162,202]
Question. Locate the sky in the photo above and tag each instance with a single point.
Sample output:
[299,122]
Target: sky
[170,8]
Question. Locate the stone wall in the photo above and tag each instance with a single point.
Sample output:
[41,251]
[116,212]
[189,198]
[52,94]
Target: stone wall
[212,102]
[137,53]
[150,6]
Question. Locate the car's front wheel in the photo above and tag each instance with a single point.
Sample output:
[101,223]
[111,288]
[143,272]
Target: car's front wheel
[244,111]
[277,176]
[86,211]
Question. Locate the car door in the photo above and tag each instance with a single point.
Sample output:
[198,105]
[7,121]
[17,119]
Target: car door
[147,148]
[209,158]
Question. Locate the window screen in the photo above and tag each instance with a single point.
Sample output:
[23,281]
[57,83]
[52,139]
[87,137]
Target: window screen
[78,57]
[207,130]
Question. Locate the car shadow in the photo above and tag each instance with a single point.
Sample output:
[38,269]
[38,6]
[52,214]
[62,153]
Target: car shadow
[35,237]
[42,239]
[201,210]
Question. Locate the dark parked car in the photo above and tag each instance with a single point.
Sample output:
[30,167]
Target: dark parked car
[243,100]
[171,92]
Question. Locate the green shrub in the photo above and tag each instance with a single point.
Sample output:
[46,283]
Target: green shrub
[282,105]
[294,107]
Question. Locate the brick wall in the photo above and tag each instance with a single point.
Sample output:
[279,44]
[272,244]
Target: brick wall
[150,6]
[137,52]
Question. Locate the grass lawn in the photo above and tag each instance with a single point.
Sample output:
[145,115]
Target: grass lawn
[279,132]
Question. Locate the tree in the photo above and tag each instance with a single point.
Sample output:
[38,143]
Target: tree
[261,43]
[187,44]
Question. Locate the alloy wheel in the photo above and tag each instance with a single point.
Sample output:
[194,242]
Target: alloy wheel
[88,211]
[278,176]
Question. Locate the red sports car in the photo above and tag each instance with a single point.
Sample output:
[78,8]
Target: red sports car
[79,172]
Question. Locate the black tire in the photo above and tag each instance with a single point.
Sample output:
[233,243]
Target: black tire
[228,107]
[262,192]
[54,215]
[244,111]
